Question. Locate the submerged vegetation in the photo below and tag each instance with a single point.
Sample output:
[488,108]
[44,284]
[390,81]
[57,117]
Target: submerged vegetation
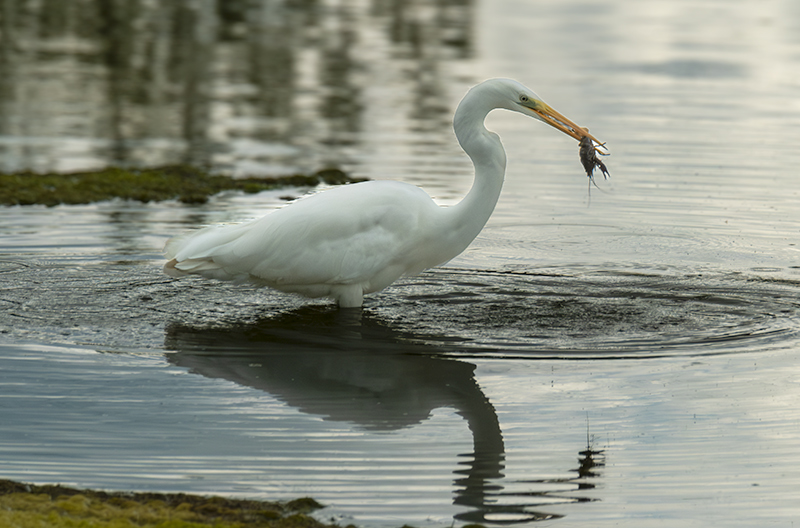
[176,182]
[28,506]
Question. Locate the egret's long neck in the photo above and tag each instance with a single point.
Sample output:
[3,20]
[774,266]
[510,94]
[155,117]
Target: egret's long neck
[489,159]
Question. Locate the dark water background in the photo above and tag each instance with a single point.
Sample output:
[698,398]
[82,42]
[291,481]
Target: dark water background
[621,358]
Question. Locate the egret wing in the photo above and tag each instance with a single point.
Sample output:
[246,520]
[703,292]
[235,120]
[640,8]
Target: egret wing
[318,240]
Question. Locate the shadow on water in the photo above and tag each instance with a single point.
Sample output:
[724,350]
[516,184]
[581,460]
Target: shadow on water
[349,366]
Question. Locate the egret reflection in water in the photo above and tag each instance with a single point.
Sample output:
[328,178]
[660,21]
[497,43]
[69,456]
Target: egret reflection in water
[352,367]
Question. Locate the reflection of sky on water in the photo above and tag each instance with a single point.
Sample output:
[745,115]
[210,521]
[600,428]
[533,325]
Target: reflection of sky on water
[269,87]
[685,439]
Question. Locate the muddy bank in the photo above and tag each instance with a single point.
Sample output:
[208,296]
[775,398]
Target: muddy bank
[184,183]
[23,505]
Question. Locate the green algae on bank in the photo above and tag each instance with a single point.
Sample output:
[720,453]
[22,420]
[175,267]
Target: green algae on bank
[28,506]
[182,182]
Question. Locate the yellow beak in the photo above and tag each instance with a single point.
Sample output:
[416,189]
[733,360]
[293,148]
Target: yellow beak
[560,122]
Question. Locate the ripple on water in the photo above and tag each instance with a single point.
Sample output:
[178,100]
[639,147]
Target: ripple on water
[575,312]
[12,266]
[608,313]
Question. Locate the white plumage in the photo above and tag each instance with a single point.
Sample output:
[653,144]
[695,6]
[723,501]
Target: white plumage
[359,238]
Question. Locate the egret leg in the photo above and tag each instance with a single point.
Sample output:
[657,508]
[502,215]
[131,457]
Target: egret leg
[350,296]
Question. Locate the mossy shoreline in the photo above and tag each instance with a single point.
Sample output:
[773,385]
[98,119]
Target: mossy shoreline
[184,183]
[28,505]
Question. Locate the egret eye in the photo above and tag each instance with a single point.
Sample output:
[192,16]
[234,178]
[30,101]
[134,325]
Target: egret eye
[523,98]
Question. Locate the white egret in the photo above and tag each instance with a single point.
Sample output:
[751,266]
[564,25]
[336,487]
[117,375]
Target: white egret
[359,238]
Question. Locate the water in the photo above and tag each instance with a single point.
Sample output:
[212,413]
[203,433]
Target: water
[625,357]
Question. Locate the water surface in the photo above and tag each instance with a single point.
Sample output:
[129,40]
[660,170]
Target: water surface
[615,356]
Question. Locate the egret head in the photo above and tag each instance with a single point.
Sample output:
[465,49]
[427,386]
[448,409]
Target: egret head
[514,96]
